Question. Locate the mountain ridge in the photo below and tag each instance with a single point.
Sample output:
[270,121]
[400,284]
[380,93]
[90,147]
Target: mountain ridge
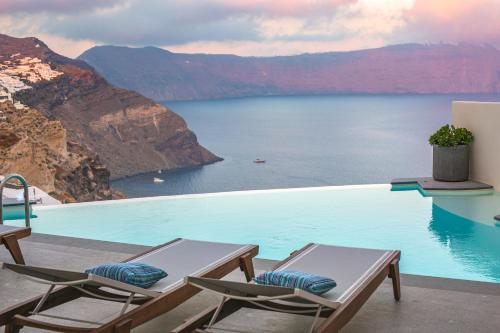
[127,132]
[402,68]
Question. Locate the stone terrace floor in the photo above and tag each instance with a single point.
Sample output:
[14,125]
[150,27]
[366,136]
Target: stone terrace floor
[427,305]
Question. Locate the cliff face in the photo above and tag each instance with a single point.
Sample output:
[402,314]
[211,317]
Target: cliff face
[410,68]
[130,133]
[38,149]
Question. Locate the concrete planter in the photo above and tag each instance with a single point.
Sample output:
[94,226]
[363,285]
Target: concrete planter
[450,164]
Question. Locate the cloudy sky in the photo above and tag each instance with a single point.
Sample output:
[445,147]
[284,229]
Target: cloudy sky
[250,27]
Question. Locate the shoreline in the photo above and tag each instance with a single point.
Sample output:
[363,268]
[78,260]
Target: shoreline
[340,94]
[167,171]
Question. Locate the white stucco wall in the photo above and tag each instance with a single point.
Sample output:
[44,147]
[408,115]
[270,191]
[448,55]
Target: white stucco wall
[483,119]
[477,208]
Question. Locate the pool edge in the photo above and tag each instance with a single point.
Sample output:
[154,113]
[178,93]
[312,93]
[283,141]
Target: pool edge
[213,194]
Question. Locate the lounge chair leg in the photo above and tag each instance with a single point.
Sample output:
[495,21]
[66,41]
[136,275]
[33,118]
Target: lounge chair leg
[246,265]
[12,328]
[127,303]
[123,326]
[217,312]
[202,319]
[396,281]
[43,300]
[12,245]
[316,317]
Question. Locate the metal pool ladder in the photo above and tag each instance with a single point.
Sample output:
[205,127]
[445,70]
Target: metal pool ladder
[26,196]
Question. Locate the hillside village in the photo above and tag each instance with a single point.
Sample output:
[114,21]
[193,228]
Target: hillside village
[17,71]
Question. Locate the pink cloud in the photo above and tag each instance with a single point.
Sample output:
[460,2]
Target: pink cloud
[284,7]
[61,6]
[252,27]
[446,10]
[455,20]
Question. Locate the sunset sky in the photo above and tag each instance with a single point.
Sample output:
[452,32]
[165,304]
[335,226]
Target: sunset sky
[250,27]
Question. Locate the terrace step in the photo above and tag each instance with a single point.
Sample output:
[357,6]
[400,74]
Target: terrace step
[429,187]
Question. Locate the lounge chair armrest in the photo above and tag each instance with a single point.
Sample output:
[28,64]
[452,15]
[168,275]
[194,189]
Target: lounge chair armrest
[47,274]
[251,292]
[238,289]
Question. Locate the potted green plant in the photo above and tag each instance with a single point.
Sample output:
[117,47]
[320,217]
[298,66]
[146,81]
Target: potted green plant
[451,146]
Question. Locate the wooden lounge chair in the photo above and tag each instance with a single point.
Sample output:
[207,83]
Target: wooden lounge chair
[9,236]
[358,273]
[179,258]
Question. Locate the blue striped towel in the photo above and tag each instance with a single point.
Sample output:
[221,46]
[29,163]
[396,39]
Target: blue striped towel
[312,283]
[134,273]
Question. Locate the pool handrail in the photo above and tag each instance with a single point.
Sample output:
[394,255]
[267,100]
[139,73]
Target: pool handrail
[4,183]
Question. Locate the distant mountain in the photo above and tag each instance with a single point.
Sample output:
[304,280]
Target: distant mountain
[130,133]
[407,68]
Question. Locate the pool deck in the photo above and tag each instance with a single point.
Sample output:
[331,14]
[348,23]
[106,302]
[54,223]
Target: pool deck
[427,305]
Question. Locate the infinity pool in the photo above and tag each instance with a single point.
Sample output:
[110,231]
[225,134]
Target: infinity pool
[433,241]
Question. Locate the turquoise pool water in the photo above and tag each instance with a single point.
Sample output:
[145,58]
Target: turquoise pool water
[433,241]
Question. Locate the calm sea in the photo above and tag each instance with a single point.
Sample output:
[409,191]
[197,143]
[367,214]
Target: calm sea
[306,141]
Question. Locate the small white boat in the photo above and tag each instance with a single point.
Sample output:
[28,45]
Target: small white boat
[159,171]
[158,180]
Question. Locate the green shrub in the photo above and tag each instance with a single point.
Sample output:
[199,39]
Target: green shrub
[450,136]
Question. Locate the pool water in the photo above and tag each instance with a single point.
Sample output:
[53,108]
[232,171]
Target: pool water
[433,241]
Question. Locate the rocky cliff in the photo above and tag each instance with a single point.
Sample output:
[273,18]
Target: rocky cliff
[409,68]
[130,133]
[38,149]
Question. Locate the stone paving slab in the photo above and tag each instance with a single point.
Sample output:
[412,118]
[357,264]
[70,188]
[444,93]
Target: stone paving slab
[427,305]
